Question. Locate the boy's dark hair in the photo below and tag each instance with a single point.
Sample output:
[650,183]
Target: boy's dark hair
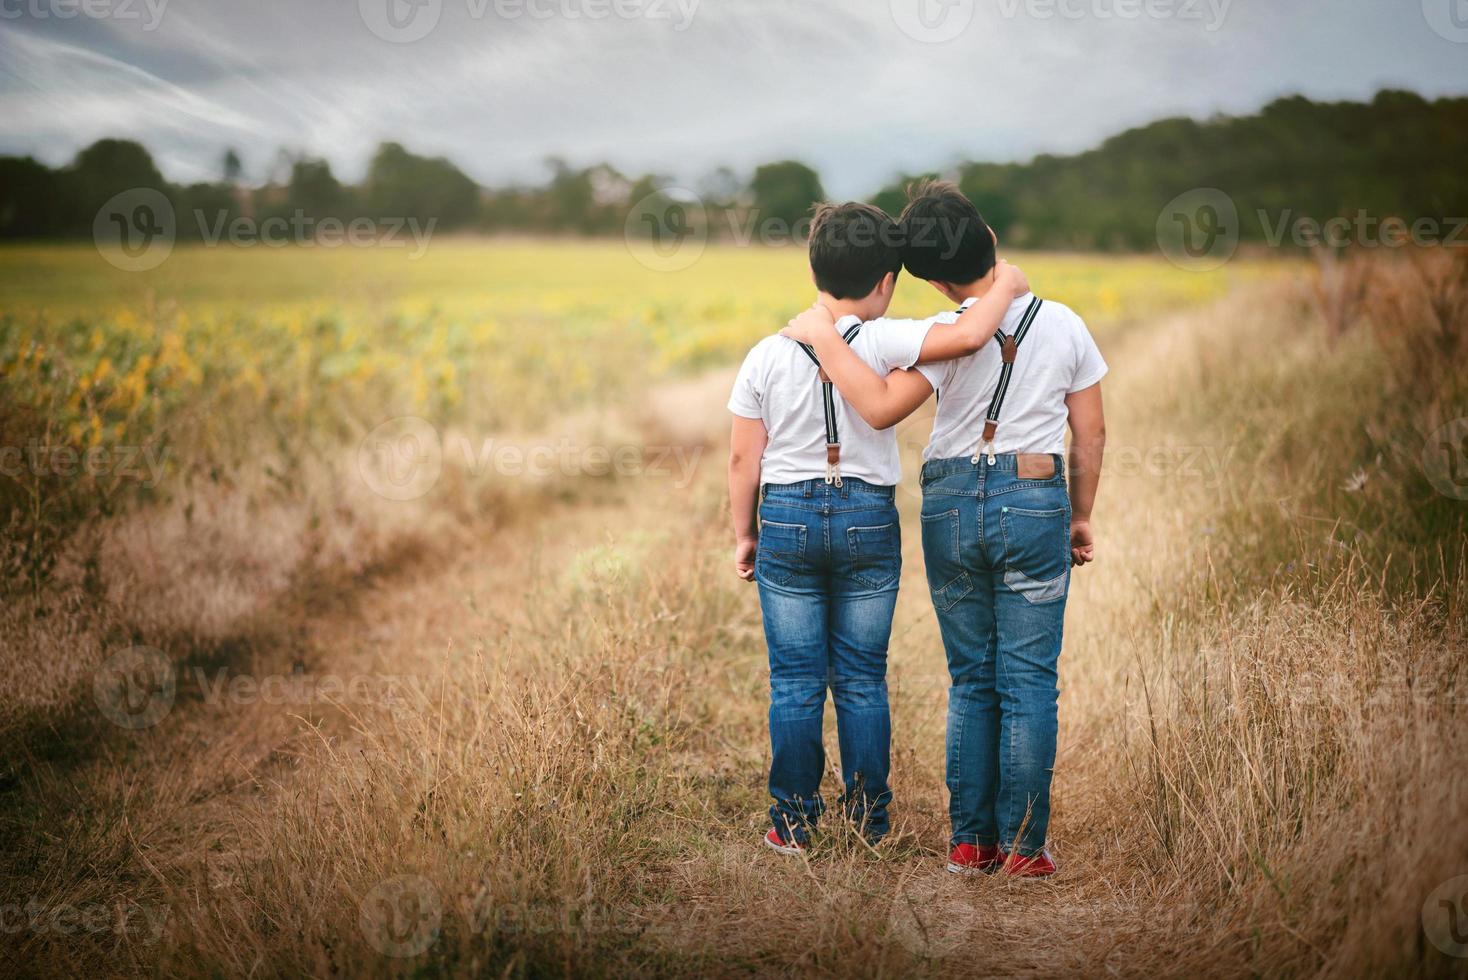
[852,246]
[947,240]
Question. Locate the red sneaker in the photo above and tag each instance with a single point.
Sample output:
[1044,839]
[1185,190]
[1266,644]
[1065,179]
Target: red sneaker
[972,859]
[1040,865]
[775,843]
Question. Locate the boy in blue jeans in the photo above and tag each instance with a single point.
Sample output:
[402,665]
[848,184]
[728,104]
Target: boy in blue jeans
[811,490]
[1001,528]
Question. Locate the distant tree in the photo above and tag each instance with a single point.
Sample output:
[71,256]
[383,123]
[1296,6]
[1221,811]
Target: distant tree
[992,189]
[231,168]
[893,197]
[204,209]
[568,196]
[785,191]
[314,191]
[30,198]
[102,170]
[403,185]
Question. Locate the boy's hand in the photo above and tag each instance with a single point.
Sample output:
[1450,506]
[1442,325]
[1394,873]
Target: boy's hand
[1011,277]
[810,324]
[744,550]
[1082,548]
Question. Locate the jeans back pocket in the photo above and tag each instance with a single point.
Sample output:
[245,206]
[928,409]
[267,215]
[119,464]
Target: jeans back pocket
[947,579]
[875,554]
[781,553]
[1036,552]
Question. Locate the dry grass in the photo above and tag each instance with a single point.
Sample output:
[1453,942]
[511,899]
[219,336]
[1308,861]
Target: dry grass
[547,753]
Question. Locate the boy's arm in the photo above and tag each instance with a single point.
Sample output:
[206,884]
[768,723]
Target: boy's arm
[1087,446]
[747,442]
[978,324]
[881,402]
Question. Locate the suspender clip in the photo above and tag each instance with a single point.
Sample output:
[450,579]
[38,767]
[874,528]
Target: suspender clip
[833,463]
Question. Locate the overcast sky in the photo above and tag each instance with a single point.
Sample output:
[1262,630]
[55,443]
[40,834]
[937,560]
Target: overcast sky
[861,89]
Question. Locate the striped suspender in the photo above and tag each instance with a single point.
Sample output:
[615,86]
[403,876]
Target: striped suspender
[1008,349]
[828,396]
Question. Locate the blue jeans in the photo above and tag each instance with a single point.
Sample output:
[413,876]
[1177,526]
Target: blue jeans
[997,550]
[827,567]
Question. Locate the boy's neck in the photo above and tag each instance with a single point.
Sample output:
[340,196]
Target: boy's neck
[858,308]
[976,289]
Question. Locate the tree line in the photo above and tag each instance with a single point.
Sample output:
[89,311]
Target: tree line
[1398,155]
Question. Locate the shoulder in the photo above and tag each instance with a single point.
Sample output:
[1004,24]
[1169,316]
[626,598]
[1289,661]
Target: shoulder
[1065,321]
[1054,311]
[769,349]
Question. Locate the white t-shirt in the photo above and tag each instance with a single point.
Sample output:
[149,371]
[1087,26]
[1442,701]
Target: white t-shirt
[1058,357]
[780,385]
